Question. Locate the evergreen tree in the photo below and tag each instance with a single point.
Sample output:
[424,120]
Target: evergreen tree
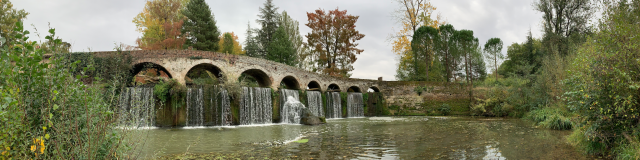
[269,22]
[281,49]
[291,28]
[251,45]
[200,27]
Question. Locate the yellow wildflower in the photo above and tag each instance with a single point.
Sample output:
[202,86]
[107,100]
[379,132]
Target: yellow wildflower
[38,146]
[6,150]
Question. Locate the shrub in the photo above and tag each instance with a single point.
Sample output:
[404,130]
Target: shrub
[445,109]
[551,117]
[46,113]
[604,86]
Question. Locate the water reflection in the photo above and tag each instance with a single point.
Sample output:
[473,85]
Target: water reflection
[369,138]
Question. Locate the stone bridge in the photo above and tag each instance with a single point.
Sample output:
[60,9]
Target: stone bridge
[177,63]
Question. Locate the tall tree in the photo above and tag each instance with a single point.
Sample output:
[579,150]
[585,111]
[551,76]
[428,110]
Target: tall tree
[200,27]
[523,59]
[564,22]
[281,49]
[158,22]
[423,47]
[229,44]
[493,51]
[251,45]
[269,22]
[446,48]
[8,18]
[465,40]
[333,36]
[478,68]
[411,15]
[292,29]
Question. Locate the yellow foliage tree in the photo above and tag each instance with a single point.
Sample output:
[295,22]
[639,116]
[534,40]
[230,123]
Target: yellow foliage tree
[411,15]
[237,48]
[158,21]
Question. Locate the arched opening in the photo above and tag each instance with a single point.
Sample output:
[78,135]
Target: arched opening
[204,74]
[333,87]
[313,85]
[373,89]
[353,89]
[254,78]
[290,82]
[147,72]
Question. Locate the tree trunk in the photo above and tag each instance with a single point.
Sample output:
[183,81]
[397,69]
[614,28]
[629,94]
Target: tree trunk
[426,67]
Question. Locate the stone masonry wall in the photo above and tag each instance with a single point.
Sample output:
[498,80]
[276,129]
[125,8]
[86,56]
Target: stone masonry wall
[179,62]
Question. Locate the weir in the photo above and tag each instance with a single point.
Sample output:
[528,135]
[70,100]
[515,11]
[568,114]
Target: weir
[292,111]
[334,106]
[207,106]
[314,103]
[255,106]
[195,107]
[137,107]
[355,105]
[284,98]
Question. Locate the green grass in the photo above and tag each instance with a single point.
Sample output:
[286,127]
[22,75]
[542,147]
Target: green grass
[551,117]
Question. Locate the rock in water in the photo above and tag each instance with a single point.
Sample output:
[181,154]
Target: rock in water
[309,119]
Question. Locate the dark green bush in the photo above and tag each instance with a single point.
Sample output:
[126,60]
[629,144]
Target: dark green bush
[445,109]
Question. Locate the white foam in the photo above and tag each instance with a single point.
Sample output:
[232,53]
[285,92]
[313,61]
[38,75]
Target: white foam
[386,119]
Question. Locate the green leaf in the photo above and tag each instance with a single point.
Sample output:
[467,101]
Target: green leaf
[302,141]
[52,30]
[55,106]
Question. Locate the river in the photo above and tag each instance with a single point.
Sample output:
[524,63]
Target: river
[364,138]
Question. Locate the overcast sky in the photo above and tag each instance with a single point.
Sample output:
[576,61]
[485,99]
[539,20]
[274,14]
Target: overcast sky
[98,24]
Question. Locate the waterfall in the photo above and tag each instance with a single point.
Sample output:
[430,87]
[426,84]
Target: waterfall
[210,110]
[284,95]
[223,109]
[334,108]
[292,111]
[137,107]
[195,107]
[355,105]
[255,106]
[314,99]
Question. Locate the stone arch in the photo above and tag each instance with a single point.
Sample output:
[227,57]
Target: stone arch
[373,89]
[290,82]
[213,69]
[260,76]
[313,84]
[333,86]
[138,67]
[354,89]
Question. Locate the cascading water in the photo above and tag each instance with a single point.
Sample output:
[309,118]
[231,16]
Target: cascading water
[334,107]
[222,112]
[255,106]
[207,106]
[195,107]
[292,111]
[137,107]
[314,99]
[286,93]
[284,97]
[355,105]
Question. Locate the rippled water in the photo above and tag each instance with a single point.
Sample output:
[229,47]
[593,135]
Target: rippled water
[367,138]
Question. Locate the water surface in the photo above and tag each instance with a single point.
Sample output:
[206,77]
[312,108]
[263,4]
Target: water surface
[367,138]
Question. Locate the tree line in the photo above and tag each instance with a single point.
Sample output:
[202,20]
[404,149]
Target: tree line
[190,24]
